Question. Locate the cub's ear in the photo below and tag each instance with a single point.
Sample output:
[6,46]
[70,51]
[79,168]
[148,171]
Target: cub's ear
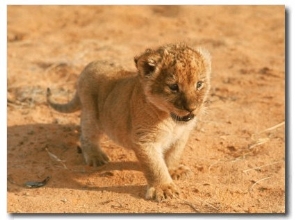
[205,54]
[147,63]
[207,58]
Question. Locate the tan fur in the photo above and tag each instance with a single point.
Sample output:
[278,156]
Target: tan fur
[144,111]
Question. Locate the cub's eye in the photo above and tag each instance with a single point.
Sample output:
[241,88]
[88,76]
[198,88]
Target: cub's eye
[174,87]
[199,84]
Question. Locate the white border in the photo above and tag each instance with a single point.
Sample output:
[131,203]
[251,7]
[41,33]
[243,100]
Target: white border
[149,2]
[3,112]
[293,90]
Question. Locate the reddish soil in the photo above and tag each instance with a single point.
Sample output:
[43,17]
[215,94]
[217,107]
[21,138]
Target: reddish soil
[236,153]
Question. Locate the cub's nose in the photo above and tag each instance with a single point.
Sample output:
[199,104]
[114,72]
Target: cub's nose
[185,103]
[190,108]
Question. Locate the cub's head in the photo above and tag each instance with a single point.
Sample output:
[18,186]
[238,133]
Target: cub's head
[176,79]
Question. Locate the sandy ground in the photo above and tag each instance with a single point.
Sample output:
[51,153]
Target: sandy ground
[236,153]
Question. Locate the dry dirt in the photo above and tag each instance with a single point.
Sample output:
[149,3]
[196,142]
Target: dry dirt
[236,153]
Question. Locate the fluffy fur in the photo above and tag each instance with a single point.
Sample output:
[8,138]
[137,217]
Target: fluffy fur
[151,112]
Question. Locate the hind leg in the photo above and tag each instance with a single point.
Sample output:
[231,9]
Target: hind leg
[92,152]
[90,134]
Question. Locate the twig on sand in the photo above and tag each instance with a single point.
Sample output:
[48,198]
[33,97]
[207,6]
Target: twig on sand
[209,204]
[193,206]
[260,141]
[209,168]
[54,157]
[258,181]
[55,65]
[256,168]
[184,202]
[273,127]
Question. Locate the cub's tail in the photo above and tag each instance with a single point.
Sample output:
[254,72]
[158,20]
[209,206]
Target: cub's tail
[72,106]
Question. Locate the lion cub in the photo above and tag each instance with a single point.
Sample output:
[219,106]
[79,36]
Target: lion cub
[151,112]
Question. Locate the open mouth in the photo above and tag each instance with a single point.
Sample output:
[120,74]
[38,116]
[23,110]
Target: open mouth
[184,118]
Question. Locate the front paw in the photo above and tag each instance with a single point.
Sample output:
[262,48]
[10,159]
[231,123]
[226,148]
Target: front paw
[163,191]
[182,172]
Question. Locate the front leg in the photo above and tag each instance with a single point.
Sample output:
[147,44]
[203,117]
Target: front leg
[160,183]
[172,158]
